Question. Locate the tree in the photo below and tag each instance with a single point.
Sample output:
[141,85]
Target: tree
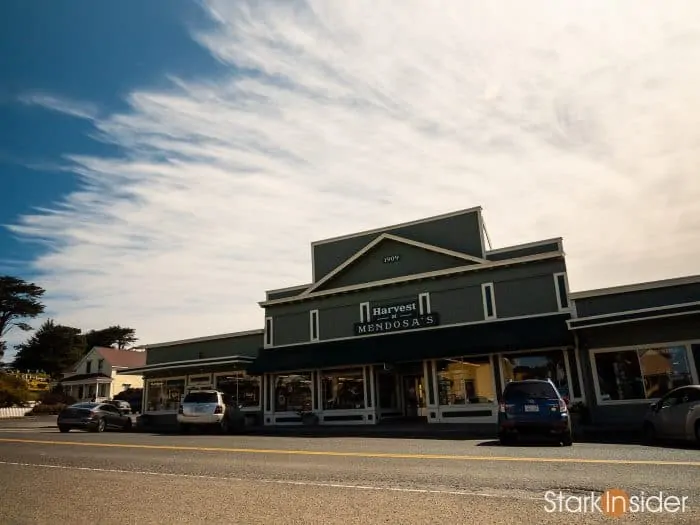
[13,390]
[53,348]
[117,336]
[19,300]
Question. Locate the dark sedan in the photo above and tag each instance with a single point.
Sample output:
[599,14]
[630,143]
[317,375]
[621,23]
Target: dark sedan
[93,417]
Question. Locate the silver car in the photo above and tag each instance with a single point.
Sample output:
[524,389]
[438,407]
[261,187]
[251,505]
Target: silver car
[675,416]
[209,408]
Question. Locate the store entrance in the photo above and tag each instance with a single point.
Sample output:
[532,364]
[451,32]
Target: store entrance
[413,392]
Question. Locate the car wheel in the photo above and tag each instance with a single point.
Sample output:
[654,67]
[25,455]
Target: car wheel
[127,425]
[225,426]
[567,439]
[100,427]
[64,429]
[184,429]
[506,440]
[697,432]
[649,433]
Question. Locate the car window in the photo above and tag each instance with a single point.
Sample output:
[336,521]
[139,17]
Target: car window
[518,391]
[201,397]
[672,399]
[693,395]
[85,405]
[109,408]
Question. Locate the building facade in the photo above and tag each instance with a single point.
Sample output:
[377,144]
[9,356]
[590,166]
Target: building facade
[96,375]
[420,321]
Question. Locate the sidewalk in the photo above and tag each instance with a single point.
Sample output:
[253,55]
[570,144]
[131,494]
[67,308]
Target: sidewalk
[29,422]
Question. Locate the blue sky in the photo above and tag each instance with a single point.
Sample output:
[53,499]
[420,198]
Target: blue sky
[176,158]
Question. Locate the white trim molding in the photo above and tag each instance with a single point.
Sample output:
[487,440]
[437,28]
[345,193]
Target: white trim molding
[389,237]
[561,280]
[650,285]
[268,332]
[424,303]
[417,277]
[488,298]
[593,352]
[300,287]
[516,247]
[313,326]
[365,313]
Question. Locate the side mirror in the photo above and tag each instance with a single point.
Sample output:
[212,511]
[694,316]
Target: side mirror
[653,407]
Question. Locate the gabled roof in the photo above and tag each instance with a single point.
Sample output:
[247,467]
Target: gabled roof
[389,237]
[119,358]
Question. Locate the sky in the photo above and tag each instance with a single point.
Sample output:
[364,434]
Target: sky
[164,163]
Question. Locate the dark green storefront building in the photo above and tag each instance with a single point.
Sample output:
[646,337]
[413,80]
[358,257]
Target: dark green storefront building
[420,321]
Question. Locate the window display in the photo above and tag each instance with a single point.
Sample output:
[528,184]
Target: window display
[537,365]
[641,374]
[244,389]
[465,380]
[164,394]
[293,392]
[343,389]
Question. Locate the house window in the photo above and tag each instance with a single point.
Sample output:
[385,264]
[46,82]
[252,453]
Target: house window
[268,332]
[424,303]
[88,367]
[489,301]
[364,313]
[100,365]
[562,290]
[313,324]
[640,374]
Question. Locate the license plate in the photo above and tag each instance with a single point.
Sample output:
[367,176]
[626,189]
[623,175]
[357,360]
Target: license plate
[532,408]
[200,410]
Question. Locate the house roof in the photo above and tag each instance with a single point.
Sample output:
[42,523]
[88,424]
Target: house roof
[122,358]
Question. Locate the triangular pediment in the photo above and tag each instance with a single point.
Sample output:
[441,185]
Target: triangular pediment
[389,257]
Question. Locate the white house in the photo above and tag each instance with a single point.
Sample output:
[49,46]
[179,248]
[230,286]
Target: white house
[95,375]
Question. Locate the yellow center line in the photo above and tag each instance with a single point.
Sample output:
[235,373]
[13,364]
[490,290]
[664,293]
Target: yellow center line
[387,455]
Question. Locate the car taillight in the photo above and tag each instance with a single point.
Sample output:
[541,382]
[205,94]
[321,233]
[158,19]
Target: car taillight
[219,409]
[562,406]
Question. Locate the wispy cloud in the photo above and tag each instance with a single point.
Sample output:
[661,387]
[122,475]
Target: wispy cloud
[74,108]
[572,119]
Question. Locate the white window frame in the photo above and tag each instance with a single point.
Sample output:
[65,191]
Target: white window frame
[557,290]
[243,373]
[365,313]
[421,297]
[146,385]
[467,406]
[269,340]
[567,367]
[484,286]
[612,402]
[314,325]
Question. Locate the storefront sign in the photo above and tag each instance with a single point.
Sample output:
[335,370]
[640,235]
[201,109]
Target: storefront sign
[396,311]
[397,324]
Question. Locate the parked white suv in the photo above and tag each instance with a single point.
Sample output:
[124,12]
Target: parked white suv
[209,408]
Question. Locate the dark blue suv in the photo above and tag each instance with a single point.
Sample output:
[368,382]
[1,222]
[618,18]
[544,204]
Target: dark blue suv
[533,407]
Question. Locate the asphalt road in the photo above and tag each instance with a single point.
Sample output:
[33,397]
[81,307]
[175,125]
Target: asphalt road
[48,477]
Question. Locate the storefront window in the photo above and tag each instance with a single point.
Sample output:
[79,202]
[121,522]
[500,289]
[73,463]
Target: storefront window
[343,389]
[537,365]
[641,374]
[164,394]
[465,380]
[244,389]
[293,392]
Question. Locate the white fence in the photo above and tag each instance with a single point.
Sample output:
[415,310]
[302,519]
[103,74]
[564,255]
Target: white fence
[6,413]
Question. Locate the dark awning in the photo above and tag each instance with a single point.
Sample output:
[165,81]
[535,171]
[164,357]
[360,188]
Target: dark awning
[637,315]
[500,336]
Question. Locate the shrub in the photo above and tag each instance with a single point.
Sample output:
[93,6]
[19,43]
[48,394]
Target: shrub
[13,390]
[56,398]
[47,410]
